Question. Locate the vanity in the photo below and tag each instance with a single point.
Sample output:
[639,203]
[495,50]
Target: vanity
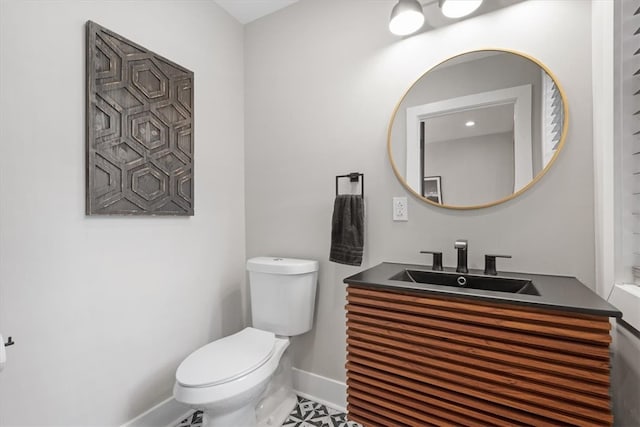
[428,345]
[512,349]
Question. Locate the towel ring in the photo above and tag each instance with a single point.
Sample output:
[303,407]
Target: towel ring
[353,177]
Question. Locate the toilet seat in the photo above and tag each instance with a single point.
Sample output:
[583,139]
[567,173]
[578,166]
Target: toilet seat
[227,359]
[235,389]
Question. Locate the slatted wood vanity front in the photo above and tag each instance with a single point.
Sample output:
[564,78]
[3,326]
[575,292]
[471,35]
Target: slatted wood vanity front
[421,359]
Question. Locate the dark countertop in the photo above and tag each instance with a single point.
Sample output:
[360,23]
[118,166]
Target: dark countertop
[556,292]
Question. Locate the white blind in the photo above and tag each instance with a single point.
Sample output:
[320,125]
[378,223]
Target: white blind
[629,85]
[552,117]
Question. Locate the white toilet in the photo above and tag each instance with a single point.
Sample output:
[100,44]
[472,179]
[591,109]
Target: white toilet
[245,379]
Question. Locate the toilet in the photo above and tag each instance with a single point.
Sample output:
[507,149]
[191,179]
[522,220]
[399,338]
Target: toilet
[244,379]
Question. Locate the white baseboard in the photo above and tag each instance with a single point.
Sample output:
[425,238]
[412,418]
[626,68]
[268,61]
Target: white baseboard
[167,413]
[323,390]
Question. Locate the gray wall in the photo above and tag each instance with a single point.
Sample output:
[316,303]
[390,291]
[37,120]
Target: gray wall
[625,376]
[475,170]
[322,79]
[104,309]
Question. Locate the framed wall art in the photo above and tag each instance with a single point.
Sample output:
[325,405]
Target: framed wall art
[139,129]
[432,188]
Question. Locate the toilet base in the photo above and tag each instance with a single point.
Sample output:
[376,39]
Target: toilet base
[278,399]
[267,404]
[243,417]
[272,411]
[278,416]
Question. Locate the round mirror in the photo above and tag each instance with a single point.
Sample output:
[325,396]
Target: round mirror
[477,129]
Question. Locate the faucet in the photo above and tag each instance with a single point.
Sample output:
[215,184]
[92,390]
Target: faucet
[462,246]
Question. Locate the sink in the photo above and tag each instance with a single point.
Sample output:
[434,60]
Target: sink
[470,281]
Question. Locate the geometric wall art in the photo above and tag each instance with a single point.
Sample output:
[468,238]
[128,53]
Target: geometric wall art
[139,129]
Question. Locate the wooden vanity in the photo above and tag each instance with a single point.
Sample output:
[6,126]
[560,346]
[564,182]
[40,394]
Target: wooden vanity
[424,357]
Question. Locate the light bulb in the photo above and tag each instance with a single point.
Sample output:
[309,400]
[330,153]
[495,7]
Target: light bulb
[406,17]
[459,8]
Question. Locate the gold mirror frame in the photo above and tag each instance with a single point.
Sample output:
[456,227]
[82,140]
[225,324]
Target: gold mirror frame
[563,137]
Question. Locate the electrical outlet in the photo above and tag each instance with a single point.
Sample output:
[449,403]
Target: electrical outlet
[400,209]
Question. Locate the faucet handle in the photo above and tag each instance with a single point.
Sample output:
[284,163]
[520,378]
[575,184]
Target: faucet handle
[461,244]
[490,263]
[437,259]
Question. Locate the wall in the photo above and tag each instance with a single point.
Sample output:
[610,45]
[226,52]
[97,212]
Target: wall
[474,170]
[625,375]
[322,79]
[611,267]
[104,309]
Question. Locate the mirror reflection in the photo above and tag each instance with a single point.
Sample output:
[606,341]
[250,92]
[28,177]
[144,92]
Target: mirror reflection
[477,129]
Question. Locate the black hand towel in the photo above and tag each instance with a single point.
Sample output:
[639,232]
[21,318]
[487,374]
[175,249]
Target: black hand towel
[347,229]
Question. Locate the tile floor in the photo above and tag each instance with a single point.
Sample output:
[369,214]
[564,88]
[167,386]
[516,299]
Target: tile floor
[307,413]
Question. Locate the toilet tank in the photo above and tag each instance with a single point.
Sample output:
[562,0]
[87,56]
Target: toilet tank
[283,294]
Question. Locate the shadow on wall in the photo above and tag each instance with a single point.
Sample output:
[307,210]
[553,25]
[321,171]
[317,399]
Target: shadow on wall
[231,312]
[152,389]
[625,376]
[300,344]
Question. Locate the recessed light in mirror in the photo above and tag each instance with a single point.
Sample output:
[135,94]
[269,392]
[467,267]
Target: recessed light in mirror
[459,8]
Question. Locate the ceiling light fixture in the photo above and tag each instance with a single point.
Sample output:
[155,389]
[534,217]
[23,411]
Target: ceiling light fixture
[459,8]
[406,17]
[470,123]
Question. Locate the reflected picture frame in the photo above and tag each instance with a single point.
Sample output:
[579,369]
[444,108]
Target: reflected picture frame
[432,189]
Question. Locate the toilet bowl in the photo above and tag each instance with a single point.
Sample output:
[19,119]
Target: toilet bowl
[228,377]
[244,379]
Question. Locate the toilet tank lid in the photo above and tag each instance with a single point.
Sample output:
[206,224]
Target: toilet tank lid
[226,359]
[277,265]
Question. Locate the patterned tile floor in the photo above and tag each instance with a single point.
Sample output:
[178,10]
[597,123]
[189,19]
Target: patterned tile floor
[307,413]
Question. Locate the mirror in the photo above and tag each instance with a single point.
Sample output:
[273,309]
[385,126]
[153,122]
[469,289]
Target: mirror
[477,129]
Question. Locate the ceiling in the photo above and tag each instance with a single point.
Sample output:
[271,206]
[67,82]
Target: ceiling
[488,120]
[246,11]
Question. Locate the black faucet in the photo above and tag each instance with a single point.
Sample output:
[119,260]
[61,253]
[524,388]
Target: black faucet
[437,259]
[490,263]
[461,246]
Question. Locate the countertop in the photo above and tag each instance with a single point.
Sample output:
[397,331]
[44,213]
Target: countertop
[556,292]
